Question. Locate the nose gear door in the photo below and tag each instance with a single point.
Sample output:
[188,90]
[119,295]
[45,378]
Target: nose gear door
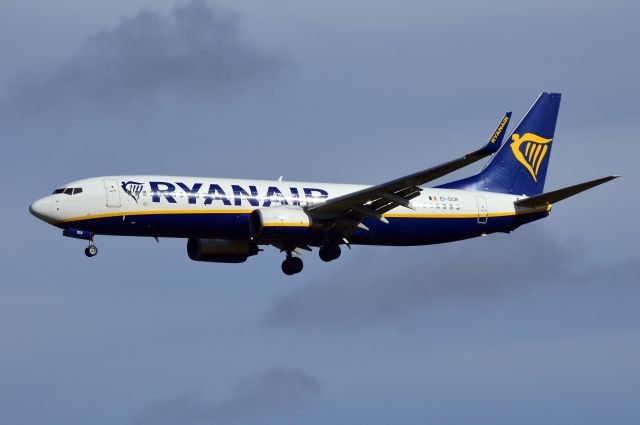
[113,193]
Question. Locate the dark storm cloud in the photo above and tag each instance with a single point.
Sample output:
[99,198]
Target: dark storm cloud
[267,392]
[195,50]
[383,287]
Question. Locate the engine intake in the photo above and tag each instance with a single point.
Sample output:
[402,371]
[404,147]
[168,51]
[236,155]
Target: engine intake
[220,250]
[279,223]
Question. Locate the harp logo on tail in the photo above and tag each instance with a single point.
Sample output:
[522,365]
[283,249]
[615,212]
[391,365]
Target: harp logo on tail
[530,150]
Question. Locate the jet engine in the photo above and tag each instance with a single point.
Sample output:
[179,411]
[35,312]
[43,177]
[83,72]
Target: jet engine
[279,223]
[220,250]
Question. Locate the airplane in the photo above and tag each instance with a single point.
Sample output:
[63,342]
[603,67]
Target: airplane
[229,220]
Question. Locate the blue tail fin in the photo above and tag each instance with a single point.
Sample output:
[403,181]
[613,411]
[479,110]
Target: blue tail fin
[520,166]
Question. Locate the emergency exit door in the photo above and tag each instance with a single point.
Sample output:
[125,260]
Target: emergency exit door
[483,213]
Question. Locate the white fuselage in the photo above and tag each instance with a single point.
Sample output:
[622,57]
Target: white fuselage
[175,206]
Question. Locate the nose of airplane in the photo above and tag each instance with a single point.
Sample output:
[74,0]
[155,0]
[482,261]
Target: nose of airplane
[42,208]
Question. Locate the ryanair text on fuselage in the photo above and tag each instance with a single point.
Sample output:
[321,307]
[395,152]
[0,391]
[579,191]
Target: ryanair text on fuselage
[233,195]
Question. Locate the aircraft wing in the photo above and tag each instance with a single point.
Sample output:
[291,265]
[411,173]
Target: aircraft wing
[374,201]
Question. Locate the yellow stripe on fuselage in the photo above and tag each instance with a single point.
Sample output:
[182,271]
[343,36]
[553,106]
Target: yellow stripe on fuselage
[152,212]
[499,214]
[388,215]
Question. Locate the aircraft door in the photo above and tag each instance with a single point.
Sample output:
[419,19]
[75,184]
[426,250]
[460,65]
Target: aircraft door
[113,193]
[483,212]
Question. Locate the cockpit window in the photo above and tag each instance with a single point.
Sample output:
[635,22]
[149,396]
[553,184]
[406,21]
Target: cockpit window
[68,191]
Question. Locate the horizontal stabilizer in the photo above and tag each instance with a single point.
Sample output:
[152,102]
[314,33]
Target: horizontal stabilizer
[560,194]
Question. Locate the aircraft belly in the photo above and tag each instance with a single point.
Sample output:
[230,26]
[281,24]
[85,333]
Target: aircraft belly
[425,231]
[224,226]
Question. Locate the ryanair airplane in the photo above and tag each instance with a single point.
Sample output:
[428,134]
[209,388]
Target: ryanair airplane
[228,220]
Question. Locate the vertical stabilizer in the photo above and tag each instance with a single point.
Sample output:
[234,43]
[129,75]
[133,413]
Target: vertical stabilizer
[520,166]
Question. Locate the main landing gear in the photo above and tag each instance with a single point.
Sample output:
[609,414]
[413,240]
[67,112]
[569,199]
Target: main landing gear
[329,252]
[292,265]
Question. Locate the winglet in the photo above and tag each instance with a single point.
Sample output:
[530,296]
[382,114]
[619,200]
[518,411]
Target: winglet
[495,141]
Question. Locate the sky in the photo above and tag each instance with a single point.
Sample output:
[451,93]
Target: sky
[538,326]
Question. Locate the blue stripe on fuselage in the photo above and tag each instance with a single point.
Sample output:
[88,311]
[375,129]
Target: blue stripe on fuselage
[400,230]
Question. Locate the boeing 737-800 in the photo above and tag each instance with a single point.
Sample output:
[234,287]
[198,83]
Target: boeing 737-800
[227,220]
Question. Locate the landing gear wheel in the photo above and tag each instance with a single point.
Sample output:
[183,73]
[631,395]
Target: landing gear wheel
[286,267]
[329,252]
[296,264]
[91,251]
[292,265]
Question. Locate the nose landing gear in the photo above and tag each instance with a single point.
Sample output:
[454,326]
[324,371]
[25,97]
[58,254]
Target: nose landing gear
[91,250]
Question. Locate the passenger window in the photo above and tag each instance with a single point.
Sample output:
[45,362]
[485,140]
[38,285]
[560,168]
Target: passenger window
[77,190]
[438,206]
[68,191]
[450,206]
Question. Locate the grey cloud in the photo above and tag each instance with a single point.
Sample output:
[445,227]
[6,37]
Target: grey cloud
[270,391]
[196,50]
[382,287]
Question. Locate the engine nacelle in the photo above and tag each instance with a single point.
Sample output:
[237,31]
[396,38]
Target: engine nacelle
[220,250]
[279,223]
